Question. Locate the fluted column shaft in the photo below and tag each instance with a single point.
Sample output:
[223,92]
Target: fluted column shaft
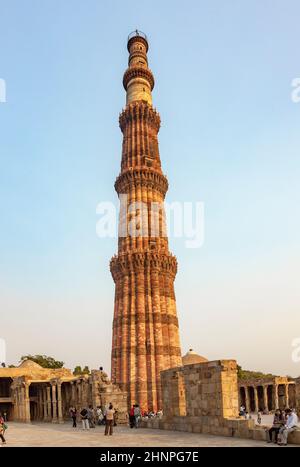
[54,403]
[266,405]
[59,404]
[49,414]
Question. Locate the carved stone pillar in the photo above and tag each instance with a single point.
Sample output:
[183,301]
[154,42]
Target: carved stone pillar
[54,403]
[40,403]
[85,383]
[276,400]
[266,405]
[247,400]
[73,389]
[79,392]
[286,394]
[22,403]
[26,403]
[49,415]
[255,399]
[59,404]
[15,403]
[18,403]
[44,393]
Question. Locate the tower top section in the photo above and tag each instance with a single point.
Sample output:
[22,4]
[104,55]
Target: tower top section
[138,79]
[137,36]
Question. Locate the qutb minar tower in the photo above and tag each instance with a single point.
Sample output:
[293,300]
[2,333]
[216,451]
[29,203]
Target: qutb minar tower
[145,325]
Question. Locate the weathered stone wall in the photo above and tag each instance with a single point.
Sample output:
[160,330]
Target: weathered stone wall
[173,392]
[200,397]
[203,398]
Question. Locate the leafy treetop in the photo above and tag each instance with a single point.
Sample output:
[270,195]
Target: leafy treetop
[44,361]
[246,374]
[79,371]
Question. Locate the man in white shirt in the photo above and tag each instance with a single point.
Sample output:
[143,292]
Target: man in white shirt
[109,420]
[289,427]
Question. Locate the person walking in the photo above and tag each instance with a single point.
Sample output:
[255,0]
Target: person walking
[84,419]
[131,417]
[137,415]
[109,420]
[2,429]
[73,414]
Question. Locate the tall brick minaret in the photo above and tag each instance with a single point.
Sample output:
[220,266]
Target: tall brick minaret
[145,325]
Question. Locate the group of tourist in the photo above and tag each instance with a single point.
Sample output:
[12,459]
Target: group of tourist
[136,414]
[151,414]
[284,422]
[108,416]
[91,417]
[248,416]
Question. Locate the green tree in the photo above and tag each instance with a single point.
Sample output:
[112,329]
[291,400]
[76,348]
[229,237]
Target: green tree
[79,371]
[246,374]
[44,361]
[239,371]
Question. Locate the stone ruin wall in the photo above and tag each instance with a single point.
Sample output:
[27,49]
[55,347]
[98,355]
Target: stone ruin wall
[203,398]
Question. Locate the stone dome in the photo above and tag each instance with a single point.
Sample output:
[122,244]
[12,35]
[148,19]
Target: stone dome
[29,364]
[191,357]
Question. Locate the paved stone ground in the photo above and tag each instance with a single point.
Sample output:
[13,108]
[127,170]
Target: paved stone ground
[47,434]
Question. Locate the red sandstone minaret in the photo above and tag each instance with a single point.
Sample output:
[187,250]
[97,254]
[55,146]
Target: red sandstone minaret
[145,325]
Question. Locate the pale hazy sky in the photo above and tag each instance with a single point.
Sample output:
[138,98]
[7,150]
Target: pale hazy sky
[229,137]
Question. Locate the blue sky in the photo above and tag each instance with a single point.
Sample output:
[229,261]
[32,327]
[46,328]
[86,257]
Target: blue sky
[229,137]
